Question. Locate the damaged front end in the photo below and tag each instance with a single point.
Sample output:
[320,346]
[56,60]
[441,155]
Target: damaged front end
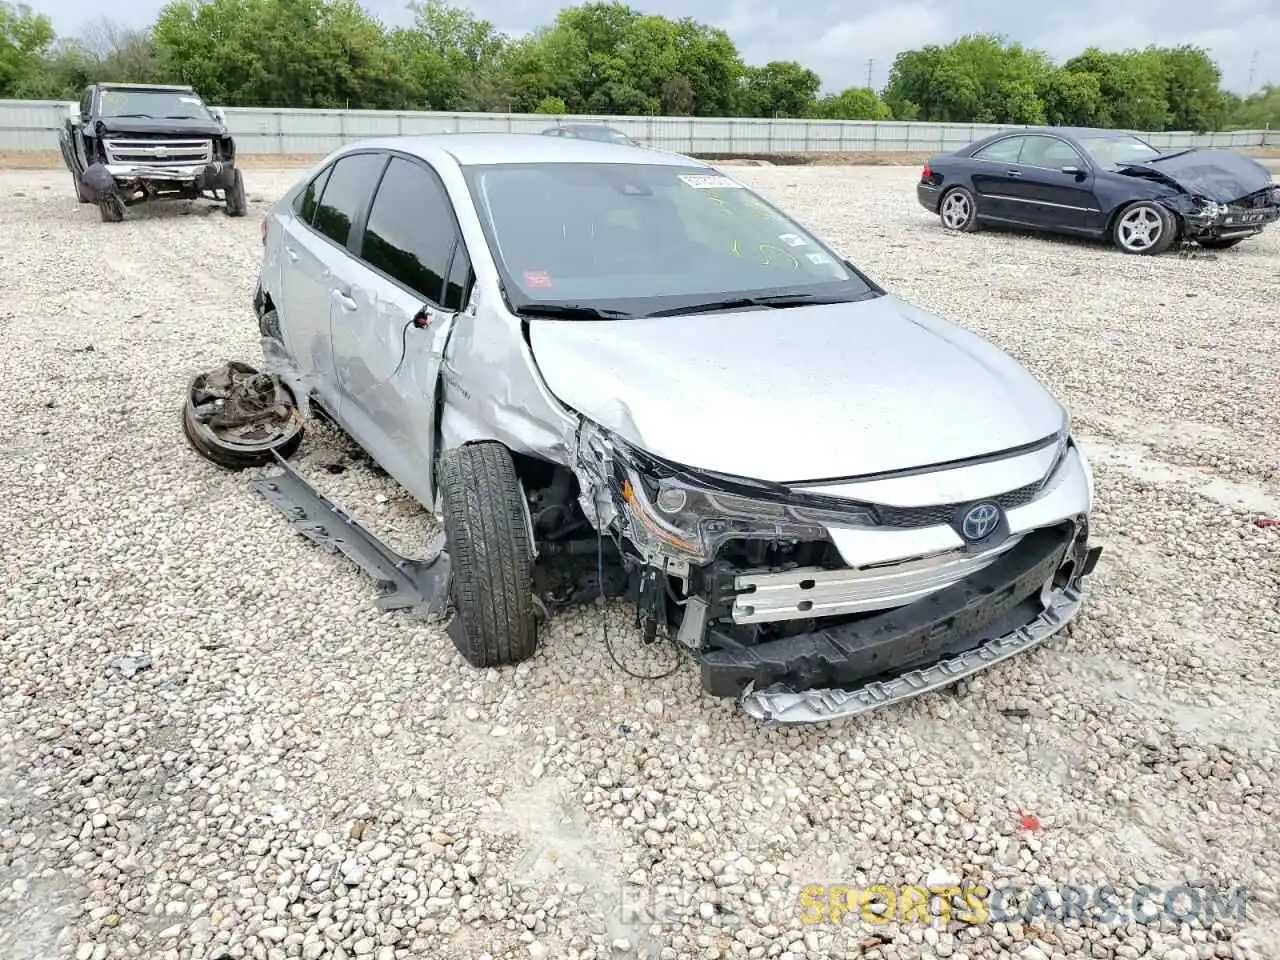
[1219,195]
[808,606]
[1207,219]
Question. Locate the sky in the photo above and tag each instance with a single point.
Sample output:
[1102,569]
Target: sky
[842,41]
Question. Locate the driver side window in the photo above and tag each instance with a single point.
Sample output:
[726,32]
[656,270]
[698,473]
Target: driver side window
[413,238]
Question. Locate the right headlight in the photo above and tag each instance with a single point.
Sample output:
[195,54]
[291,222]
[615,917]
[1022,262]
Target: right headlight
[671,515]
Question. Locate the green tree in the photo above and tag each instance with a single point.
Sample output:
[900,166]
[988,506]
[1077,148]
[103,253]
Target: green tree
[300,53]
[779,89]
[1131,88]
[609,58]
[25,38]
[454,59]
[1071,98]
[1193,89]
[975,79]
[855,103]
[1258,111]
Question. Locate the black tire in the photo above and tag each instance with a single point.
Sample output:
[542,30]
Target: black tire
[490,556]
[81,196]
[1219,243]
[958,210]
[236,202]
[111,208]
[1161,229]
[224,451]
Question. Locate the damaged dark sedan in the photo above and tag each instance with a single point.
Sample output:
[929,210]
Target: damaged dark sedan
[1107,184]
[829,499]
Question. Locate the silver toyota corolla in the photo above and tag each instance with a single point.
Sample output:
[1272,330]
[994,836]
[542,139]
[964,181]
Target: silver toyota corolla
[833,500]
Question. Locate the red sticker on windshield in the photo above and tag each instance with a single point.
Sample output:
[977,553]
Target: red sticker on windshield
[537,279]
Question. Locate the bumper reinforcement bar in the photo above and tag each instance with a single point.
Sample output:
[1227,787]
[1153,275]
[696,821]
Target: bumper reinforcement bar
[952,621]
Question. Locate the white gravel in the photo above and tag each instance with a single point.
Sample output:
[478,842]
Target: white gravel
[300,776]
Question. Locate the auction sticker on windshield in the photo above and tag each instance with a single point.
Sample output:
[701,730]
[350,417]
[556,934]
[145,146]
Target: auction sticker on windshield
[710,182]
[537,279]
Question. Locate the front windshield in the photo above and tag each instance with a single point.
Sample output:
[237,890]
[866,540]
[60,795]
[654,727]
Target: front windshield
[638,238]
[1114,152]
[153,104]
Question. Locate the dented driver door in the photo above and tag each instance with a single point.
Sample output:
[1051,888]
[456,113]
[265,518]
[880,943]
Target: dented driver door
[391,314]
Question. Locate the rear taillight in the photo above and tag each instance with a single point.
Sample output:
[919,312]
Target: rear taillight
[926,173]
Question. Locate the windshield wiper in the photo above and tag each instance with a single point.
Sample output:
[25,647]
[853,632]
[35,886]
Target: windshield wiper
[138,116]
[571,311]
[778,301]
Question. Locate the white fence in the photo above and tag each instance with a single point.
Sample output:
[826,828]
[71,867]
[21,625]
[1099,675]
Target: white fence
[32,125]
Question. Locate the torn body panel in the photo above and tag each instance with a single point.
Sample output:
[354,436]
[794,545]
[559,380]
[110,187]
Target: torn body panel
[493,389]
[1217,194]
[420,586]
[773,585]
[1223,176]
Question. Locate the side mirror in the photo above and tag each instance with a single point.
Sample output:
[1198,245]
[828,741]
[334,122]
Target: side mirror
[1073,171]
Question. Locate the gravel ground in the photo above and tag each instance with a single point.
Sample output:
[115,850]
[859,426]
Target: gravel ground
[299,775]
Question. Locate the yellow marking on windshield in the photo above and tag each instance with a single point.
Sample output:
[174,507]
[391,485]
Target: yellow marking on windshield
[734,249]
[764,247]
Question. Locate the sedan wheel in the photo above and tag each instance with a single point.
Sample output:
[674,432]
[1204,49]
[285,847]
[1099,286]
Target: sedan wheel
[959,210]
[1144,228]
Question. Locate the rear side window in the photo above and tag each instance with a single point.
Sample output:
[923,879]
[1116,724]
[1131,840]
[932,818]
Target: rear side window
[1002,151]
[411,234]
[307,200]
[345,194]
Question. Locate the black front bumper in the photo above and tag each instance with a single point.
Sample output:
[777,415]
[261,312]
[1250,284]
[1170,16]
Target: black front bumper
[1236,223]
[993,602]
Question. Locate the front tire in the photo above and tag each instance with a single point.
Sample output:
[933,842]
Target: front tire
[111,207]
[958,210]
[490,554]
[236,202]
[1144,228]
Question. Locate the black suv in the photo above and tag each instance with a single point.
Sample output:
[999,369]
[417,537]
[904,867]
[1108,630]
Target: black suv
[131,143]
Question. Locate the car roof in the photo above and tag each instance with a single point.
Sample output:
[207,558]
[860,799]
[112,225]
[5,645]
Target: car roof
[1069,132]
[477,149]
[158,87]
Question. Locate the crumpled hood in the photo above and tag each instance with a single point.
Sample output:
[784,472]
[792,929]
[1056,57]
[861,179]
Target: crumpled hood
[1220,175]
[810,393]
[162,127]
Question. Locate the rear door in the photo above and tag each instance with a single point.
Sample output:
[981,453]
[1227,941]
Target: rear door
[994,176]
[315,245]
[392,320]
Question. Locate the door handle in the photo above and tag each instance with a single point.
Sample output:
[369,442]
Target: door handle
[293,254]
[1015,173]
[345,299]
